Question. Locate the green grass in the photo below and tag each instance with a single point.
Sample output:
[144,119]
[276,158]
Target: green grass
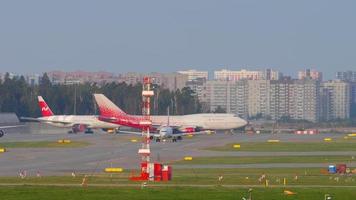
[287,146]
[186,184]
[183,177]
[42,144]
[267,159]
[133,193]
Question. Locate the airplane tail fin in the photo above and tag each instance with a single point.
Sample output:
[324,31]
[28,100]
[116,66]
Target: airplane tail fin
[46,111]
[106,107]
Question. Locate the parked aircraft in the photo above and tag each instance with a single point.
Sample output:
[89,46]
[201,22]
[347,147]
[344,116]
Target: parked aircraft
[178,125]
[77,123]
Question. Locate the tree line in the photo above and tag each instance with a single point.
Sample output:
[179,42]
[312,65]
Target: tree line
[19,97]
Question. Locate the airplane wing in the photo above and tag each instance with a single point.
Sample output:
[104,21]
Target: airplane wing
[194,133]
[5,127]
[131,132]
[43,120]
[138,133]
[107,119]
[190,133]
[2,132]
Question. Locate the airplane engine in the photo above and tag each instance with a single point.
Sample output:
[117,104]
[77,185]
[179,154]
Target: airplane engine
[189,130]
[198,129]
[78,128]
[109,130]
[2,133]
[192,129]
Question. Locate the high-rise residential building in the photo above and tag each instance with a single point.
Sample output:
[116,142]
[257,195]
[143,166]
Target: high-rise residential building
[220,94]
[171,81]
[242,98]
[304,100]
[325,103]
[353,100]
[276,99]
[195,74]
[197,86]
[338,106]
[270,74]
[230,75]
[33,79]
[310,73]
[131,78]
[279,98]
[346,76]
[11,75]
[60,77]
[258,98]
[353,92]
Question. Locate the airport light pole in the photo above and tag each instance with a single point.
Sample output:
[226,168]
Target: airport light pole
[146,123]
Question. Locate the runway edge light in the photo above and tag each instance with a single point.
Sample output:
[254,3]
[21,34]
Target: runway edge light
[237,146]
[113,170]
[2,150]
[273,141]
[188,158]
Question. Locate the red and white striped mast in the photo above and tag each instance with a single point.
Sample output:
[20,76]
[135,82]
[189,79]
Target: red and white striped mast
[146,123]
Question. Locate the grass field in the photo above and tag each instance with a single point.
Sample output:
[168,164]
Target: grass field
[288,146]
[133,193]
[186,184]
[42,144]
[267,159]
[310,176]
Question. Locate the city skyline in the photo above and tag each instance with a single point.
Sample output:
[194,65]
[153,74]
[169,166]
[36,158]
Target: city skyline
[208,75]
[123,36]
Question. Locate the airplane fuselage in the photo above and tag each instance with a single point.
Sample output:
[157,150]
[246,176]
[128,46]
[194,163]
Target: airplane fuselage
[207,121]
[67,121]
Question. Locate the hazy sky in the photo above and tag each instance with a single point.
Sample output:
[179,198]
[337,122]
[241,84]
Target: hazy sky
[149,35]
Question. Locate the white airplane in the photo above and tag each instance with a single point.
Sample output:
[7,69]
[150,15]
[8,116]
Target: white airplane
[2,131]
[176,127]
[77,123]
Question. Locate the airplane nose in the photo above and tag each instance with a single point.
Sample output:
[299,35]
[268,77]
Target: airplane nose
[241,123]
[244,122]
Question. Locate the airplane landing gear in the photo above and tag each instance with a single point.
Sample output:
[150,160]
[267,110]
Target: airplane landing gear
[158,140]
[117,130]
[89,131]
[174,139]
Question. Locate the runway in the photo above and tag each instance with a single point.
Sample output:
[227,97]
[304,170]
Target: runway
[117,150]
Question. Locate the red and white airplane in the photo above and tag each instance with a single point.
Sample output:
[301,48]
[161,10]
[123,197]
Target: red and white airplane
[77,123]
[176,127]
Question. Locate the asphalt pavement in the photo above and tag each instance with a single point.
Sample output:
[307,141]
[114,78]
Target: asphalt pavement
[117,150]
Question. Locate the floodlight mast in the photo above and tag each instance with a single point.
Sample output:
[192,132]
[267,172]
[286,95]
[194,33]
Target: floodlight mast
[147,93]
